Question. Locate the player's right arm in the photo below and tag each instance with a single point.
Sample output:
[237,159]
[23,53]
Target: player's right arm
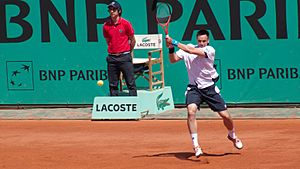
[173,57]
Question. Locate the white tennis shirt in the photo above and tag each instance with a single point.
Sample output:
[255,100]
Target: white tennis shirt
[200,70]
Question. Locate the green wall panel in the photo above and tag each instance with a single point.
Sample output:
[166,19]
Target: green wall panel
[53,52]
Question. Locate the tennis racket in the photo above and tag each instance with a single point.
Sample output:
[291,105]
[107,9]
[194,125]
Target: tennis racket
[163,16]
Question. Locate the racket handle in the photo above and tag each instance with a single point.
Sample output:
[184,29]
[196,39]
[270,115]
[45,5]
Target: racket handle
[167,36]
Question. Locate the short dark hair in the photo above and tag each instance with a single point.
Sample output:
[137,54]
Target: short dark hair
[203,32]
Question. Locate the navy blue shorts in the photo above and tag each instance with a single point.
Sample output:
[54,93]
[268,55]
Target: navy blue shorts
[208,95]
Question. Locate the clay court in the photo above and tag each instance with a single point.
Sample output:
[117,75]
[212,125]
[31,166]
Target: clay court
[158,144]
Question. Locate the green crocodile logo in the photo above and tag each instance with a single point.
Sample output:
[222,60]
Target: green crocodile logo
[162,103]
[146,39]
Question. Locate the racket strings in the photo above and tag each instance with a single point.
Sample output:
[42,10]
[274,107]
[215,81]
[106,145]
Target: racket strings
[163,19]
[163,13]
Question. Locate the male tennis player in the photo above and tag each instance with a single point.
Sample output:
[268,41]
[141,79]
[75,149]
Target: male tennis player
[199,61]
[119,35]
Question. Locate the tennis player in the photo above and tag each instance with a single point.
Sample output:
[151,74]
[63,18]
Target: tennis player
[119,35]
[199,61]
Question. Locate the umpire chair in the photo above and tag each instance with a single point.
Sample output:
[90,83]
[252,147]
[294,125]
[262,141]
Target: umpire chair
[149,67]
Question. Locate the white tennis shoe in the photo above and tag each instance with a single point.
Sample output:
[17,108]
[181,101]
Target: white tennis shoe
[236,142]
[198,151]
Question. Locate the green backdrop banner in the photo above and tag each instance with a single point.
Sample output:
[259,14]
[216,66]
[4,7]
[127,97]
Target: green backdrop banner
[53,51]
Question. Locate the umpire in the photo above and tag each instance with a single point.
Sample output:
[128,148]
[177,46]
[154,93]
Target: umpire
[119,35]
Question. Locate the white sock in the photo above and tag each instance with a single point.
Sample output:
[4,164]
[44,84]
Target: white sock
[194,137]
[231,133]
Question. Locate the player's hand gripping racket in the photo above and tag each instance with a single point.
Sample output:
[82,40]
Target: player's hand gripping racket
[163,16]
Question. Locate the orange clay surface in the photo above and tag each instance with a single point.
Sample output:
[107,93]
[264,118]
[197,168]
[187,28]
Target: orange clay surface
[146,144]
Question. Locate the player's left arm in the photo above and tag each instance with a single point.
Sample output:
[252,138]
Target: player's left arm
[189,49]
[192,50]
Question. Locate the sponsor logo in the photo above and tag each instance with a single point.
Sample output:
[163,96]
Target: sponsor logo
[146,42]
[146,39]
[162,103]
[123,107]
[20,75]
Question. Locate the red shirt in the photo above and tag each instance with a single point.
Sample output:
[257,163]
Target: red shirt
[117,35]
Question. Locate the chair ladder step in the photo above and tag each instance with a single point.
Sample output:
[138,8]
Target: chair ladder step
[156,83]
[156,73]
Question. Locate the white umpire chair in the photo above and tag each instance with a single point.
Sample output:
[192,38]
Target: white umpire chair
[144,64]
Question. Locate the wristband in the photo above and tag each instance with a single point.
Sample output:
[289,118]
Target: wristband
[175,42]
[171,50]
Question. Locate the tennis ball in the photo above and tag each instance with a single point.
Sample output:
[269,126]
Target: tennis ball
[100,82]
